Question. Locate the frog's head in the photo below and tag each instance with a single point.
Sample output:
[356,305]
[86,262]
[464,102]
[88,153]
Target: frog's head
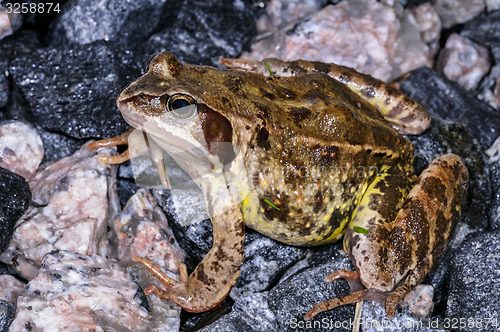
[175,104]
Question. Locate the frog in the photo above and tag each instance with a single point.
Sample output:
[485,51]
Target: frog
[324,156]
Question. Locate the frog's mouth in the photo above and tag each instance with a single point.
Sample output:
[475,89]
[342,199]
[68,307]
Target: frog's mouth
[205,138]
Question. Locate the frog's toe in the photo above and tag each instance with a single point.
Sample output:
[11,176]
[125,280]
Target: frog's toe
[352,278]
[357,293]
[335,302]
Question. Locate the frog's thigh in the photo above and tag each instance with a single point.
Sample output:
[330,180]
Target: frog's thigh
[368,234]
[425,223]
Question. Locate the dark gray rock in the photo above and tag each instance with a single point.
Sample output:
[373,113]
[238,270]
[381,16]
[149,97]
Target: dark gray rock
[73,90]
[294,296]
[249,313]
[486,90]
[265,262]
[474,283]
[16,195]
[5,269]
[21,43]
[412,3]
[7,314]
[448,101]
[485,30]
[494,212]
[4,83]
[204,31]
[86,21]
[57,146]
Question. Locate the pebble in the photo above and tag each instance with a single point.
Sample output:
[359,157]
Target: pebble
[463,61]
[375,41]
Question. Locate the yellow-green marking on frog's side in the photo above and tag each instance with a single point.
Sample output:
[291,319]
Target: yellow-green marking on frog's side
[360,230]
[268,202]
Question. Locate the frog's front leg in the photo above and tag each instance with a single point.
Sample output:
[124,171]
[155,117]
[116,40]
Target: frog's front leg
[394,239]
[215,275]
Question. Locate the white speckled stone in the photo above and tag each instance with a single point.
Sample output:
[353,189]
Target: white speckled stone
[74,197]
[76,292]
[21,148]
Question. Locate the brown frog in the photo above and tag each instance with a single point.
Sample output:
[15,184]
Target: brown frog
[320,157]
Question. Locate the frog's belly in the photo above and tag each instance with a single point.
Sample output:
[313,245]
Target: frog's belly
[309,222]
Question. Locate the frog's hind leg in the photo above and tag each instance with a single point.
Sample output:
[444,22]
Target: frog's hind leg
[395,236]
[408,116]
[432,208]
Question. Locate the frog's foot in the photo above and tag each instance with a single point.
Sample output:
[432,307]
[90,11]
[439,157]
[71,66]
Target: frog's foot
[356,294]
[113,141]
[336,302]
[141,146]
[213,278]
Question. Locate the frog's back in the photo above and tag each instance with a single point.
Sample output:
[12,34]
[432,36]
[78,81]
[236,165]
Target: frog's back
[313,150]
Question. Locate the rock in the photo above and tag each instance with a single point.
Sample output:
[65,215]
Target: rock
[280,13]
[201,32]
[265,261]
[412,3]
[448,101]
[76,292]
[426,20]
[73,199]
[489,88]
[375,319]
[16,196]
[7,314]
[142,230]
[21,43]
[4,84]
[9,22]
[21,148]
[73,90]
[57,145]
[10,288]
[492,5]
[495,205]
[376,41]
[475,279]
[249,313]
[485,30]
[454,12]
[293,297]
[86,21]
[494,212]
[463,61]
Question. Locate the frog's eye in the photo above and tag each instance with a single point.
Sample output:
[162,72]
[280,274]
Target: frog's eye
[182,106]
